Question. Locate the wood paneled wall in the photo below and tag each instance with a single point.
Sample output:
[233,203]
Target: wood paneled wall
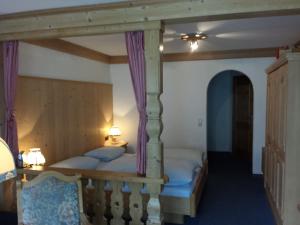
[63,118]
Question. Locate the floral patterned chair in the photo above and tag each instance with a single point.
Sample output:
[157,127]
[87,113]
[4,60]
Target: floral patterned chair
[50,199]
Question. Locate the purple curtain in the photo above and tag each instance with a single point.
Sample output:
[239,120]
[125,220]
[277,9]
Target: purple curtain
[10,68]
[135,50]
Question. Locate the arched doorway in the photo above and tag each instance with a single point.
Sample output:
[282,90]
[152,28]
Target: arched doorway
[230,114]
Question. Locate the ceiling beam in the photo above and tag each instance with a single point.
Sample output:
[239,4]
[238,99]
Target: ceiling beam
[99,19]
[70,48]
[213,55]
[228,54]
[74,49]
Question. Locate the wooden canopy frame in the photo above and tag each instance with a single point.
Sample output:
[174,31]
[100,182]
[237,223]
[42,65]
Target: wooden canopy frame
[133,15]
[144,15]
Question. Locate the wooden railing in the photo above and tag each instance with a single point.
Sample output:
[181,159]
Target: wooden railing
[113,198]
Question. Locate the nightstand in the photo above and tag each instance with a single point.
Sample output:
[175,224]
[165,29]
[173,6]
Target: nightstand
[123,144]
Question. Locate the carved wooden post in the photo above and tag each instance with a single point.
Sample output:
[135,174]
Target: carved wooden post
[154,126]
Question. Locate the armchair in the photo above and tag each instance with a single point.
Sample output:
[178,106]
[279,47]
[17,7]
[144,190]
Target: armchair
[51,198]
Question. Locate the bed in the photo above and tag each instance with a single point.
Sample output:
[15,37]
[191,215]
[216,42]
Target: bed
[186,170]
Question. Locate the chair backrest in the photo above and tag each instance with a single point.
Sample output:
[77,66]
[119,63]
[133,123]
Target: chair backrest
[51,198]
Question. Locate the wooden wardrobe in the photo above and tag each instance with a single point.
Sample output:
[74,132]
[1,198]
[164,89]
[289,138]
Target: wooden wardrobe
[282,152]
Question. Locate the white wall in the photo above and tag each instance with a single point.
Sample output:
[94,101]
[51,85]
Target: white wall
[124,105]
[185,101]
[42,62]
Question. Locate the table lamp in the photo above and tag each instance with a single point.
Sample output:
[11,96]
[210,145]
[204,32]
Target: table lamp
[7,162]
[35,157]
[114,132]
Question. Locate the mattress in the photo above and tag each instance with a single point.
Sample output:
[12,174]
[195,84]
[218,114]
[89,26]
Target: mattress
[179,171]
[179,191]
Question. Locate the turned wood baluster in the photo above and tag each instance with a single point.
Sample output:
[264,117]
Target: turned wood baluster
[117,205]
[155,216]
[136,203]
[100,203]
[89,200]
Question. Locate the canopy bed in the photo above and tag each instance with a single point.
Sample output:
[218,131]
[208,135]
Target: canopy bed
[131,16]
[186,176]
[68,133]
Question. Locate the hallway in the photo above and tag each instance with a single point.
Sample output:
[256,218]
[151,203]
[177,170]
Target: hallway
[232,195]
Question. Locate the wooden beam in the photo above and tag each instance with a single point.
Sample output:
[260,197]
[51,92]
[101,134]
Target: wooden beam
[132,15]
[77,31]
[228,54]
[74,49]
[70,48]
[122,59]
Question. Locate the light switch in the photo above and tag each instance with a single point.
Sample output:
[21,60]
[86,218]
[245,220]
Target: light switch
[200,122]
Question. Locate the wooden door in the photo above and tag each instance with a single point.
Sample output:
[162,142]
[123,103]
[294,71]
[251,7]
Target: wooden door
[242,117]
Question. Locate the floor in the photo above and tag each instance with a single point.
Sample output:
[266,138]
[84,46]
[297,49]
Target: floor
[232,196]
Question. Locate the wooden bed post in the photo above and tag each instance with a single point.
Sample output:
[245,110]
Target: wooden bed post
[154,126]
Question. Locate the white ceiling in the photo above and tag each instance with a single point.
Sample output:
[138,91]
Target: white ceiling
[13,6]
[222,35]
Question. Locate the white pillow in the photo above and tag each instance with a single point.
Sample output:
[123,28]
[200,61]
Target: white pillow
[179,171]
[106,154]
[78,162]
[195,156]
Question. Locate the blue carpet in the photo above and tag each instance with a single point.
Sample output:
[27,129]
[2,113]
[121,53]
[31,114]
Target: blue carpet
[8,218]
[232,195]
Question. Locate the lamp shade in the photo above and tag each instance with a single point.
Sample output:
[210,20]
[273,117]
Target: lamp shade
[114,131]
[7,165]
[35,157]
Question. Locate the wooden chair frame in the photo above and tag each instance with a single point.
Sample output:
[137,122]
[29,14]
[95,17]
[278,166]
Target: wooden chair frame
[40,178]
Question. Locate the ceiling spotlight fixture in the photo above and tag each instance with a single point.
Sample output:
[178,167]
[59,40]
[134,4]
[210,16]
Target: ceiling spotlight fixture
[161,48]
[194,45]
[194,39]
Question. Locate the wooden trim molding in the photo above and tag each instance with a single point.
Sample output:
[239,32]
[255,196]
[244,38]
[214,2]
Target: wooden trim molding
[70,48]
[121,59]
[229,54]
[74,49]
[132,15]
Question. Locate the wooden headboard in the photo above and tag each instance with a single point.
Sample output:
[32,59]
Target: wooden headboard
[63,118]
